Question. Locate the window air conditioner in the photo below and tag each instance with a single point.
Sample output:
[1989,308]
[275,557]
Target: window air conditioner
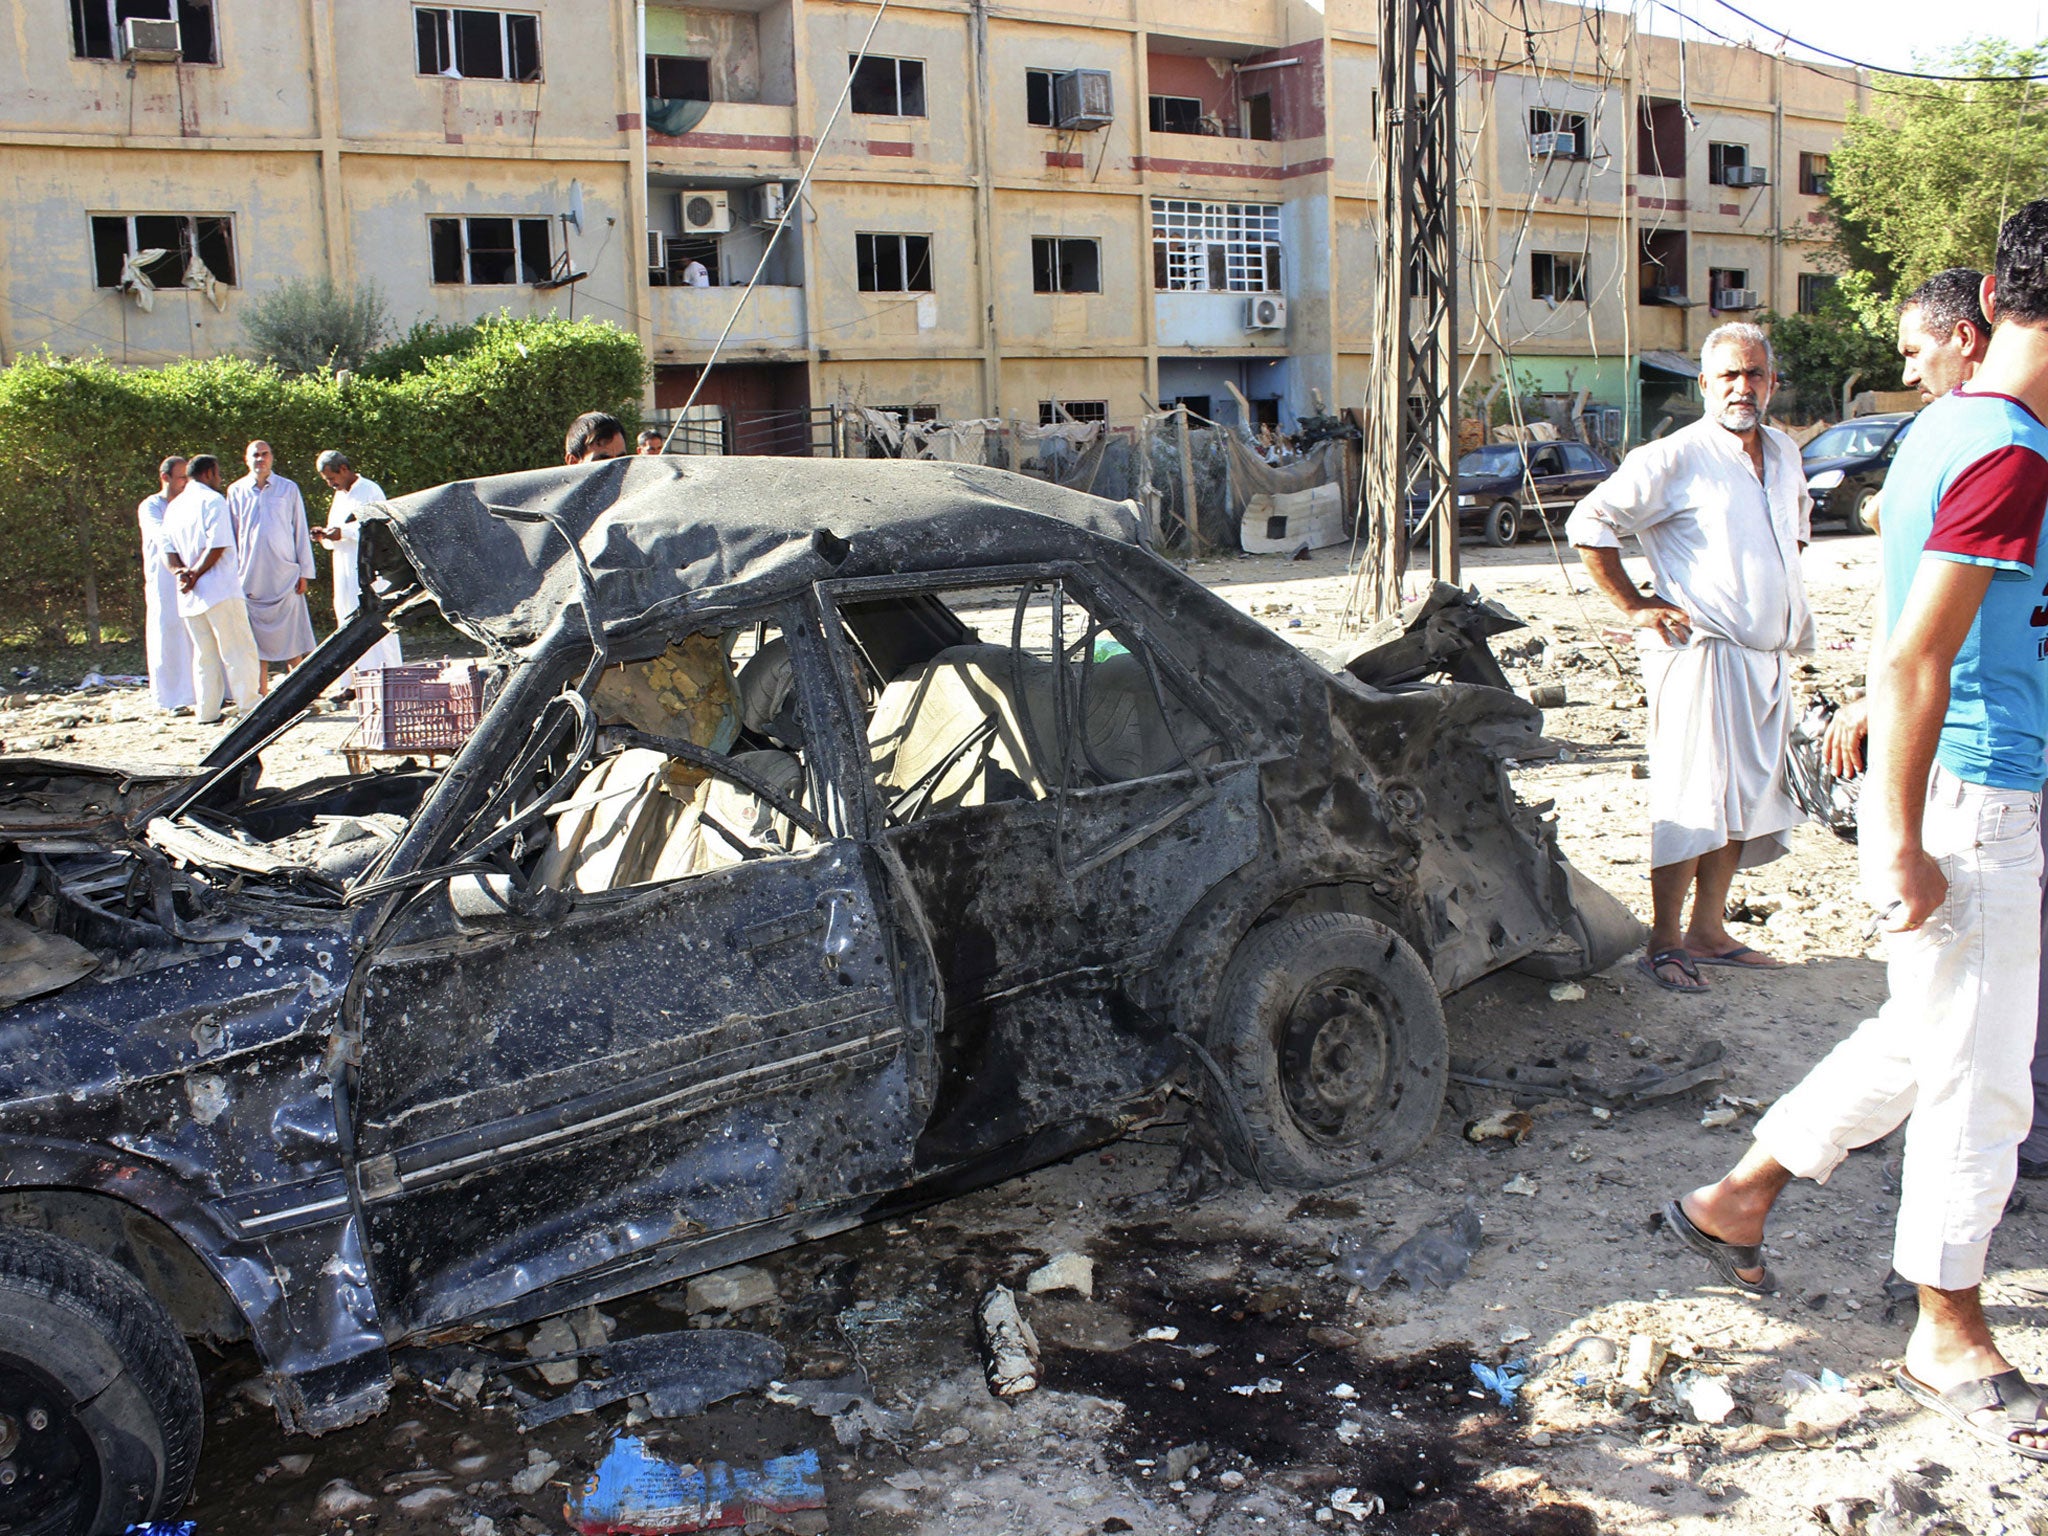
[774,202]
[657,251]
[706,213]
[1081,99]
[1735,298]
[1746,176]
[1265,312]
[148,41]
[1560,146]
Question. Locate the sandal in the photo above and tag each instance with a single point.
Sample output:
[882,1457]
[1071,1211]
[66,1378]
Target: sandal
[2008,1390]
[1679,957]
[1735,959]
[1727,1258]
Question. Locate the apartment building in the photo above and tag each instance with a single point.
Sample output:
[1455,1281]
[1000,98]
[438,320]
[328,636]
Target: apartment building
[1078,206]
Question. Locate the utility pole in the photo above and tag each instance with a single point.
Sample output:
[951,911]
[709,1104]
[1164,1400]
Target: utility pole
[1412,443]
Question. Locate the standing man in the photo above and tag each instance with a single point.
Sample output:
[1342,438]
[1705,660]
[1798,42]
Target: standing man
[276,550]
[592,436]
[1721,510]
[1951,852]
[344,531]
[164,640]
[199,547]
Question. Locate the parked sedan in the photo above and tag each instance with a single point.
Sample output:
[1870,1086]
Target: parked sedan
[835,836]
[1505,489]
[1846,465]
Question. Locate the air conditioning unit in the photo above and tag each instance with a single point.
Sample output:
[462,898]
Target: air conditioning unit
[774,202]
[1558,146]
[1746,176]
[1265,312]
[1735,298]
[706,213]
[657,251]
[148,41]
[1081,99]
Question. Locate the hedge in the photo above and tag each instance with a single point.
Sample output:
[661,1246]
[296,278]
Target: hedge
[80,441]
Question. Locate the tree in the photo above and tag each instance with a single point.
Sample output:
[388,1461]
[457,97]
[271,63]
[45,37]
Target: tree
[1818,353]
[311,326]
[1922,181]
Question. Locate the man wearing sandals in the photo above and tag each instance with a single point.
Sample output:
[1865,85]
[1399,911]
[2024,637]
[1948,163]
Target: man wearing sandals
[1951,854]
[1721,511]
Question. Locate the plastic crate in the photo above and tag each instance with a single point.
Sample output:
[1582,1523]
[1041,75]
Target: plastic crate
[428,706]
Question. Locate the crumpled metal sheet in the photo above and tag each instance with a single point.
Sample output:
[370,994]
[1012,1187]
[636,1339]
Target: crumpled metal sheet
[680,1373]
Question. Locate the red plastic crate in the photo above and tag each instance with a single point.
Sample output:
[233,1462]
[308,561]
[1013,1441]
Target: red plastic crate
[426,706]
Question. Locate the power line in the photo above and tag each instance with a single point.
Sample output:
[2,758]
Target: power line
[1824,72]
[1876,69]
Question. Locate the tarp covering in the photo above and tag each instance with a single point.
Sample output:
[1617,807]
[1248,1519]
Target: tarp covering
[658,531]
[1675,363]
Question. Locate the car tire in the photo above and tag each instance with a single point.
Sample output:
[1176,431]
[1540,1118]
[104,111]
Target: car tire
[1858,523]
[1504,524]
[100,1404]
[1334,1046]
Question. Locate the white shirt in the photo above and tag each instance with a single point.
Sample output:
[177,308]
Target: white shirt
[1721,546]
[697,275]
[194,523]
[346,514]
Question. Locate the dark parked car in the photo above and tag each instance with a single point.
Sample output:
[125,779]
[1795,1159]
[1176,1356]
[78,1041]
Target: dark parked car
[835,836]
[1846,465]
[1505,488]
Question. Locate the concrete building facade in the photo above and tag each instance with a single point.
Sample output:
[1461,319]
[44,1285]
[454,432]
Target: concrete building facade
[1099,203]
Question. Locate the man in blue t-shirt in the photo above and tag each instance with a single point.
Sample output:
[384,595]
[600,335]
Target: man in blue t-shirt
[1951,855]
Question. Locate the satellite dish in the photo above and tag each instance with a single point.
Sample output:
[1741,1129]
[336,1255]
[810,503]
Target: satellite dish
[574,217]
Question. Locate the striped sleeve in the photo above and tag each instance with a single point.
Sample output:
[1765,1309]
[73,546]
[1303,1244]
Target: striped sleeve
[1991,512]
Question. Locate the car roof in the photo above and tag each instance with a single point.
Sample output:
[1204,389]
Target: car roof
[662,534]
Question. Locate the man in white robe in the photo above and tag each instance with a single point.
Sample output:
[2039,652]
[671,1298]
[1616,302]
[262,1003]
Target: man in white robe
[1721,511]
[164,641]
[199,547]
[275,548]
[344,536]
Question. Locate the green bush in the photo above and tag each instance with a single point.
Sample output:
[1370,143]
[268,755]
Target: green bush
[81,440]
[411,352]
[310,326]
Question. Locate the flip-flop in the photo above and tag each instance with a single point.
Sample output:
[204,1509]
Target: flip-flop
[1732,958]
[1681,958]
[1726,1258]
[2021,1399]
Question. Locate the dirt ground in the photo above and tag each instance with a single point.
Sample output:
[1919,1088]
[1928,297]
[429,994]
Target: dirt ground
[1290,1399]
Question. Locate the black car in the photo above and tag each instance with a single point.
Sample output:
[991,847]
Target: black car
[836,835]
[1504,488]
[1846,465]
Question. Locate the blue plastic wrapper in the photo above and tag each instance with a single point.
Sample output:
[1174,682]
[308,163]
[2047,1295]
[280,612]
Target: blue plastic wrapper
[165,1528]
[634,1489]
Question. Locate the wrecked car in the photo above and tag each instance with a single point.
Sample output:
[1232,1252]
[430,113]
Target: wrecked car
[834,836]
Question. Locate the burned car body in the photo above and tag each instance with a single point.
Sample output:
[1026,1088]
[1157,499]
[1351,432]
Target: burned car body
[836,835]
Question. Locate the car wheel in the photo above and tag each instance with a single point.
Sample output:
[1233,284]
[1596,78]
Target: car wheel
[1336,1050]
[1503,524]
[1859,522]
[100,1407]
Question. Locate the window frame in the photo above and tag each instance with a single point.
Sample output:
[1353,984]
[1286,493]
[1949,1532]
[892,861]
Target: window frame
[448,44]
[855,64]
[1560,120]
[1155,113]
[1814,287]
[181,12]
[1719,164]
[1815,168]
[1550,263]
[1229,247]
[187,247]
[522,224]
[1053,265]
[1077,410]
[650,63]
[1052,97]
[907,265]
[1717,284]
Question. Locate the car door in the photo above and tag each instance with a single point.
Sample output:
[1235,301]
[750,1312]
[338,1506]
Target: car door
[1548,480]
[700,1037]
[1584,470]
[1044,899]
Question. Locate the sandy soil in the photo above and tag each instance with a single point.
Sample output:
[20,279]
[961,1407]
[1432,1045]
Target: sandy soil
[1363,1412]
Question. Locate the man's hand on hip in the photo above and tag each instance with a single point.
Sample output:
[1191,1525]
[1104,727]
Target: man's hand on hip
[1670,623]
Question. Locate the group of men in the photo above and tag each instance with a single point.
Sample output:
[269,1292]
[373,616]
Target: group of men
[1955,732]
[226,572]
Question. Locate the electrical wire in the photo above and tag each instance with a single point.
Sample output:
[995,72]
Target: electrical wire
[1875,69]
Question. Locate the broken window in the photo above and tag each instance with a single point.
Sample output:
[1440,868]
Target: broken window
[1050,411]
[885,87]
[1813,175]
[674,78]
[490,252]
[1724,158]
[1064,265]
[1660,137]
[97,30]
[1040,106]
[1559,278]
[1215,247]
[878,444]
[476,45]
[1258,116]
[1176,114]
[1728,289]
[180,236]
[893,263]
[1814,288]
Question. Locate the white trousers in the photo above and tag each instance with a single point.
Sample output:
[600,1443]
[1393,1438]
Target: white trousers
[1720,716]
[1951,1046]
[223,657]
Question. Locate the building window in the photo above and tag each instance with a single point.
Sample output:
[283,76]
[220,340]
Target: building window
[1040,87]
[893,263]
[1065,266]
[1215,247]
[1723,158]
[477,45]
[1543,121]
[490,252]
[180,236]
[1176,114]
[1814,288]
[1728,288]
[96,31]
[887,87]
[1077,410]
[1813,175]
[673,78]
[1558,278]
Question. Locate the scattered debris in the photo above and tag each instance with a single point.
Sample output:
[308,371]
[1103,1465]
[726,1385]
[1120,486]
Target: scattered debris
[1719,1115]
[849,1402]
[539,1469]
[738,1289]
[680,1374]
[1706,1397]
[1065,1272]
[342,1500]
[1591,1357]
[1183,1459]
[1265,1386]
[1510,1125]
[1009,1347]
[1816,1412]
[1160,1335]
[635,1490]
[1646,1357]
[1653,1082]
[1521,1184]
[1567,992]
[1347,1502]
[1437,1255]
[1503,1382]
